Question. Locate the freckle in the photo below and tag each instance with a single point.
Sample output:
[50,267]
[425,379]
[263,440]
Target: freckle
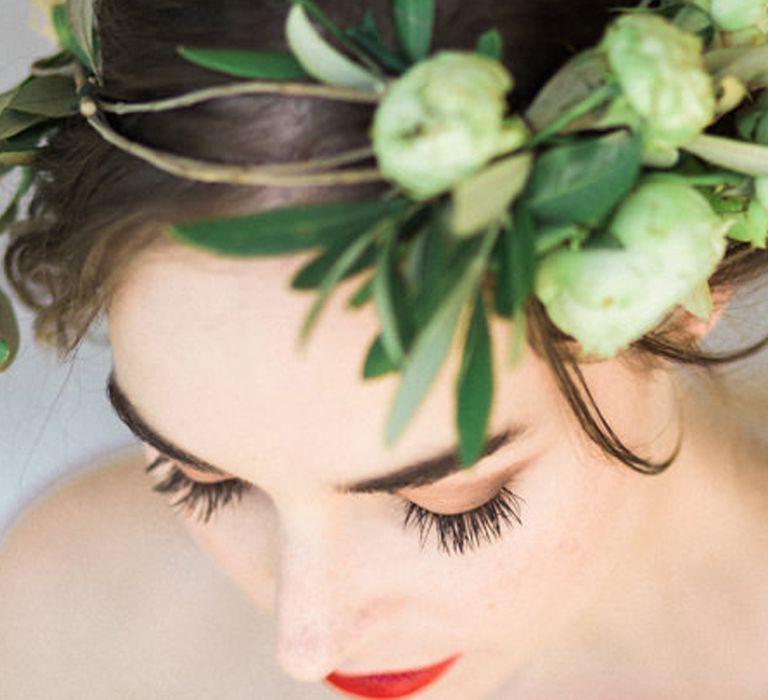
[569,546]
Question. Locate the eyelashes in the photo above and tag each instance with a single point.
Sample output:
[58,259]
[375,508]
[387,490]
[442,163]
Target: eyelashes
[458,533]
[467,531]
[198,500]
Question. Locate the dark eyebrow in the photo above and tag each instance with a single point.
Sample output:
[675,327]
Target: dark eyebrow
[421,473]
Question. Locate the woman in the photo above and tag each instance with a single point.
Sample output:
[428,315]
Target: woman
[609,542]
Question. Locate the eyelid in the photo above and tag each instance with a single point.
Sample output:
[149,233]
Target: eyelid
[198,476]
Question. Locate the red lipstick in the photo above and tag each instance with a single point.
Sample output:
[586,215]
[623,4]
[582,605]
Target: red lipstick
[390,685]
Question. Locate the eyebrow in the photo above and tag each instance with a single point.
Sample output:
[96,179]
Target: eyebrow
[421,473]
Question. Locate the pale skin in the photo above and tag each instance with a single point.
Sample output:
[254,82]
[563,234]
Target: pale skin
[615,585]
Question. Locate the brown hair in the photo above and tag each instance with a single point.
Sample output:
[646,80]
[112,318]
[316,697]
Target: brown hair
[94,207]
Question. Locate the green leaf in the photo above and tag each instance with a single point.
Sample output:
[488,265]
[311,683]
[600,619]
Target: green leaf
[579,78]
[6,98]
[474,390]
[517,264]
[363,295]
[13,123]
[388,297]
[288,230]
[367,36]
[59,60]
[433,342]
[414,20]
[29,138]
[490,44]
[256,65]
[22,156]
[339,269]
[9,332]
[311,276]
[481,199]
[377,362]
[323,61]
[82,19]
[582,182]
[65,35]
[732,154]
[550,237]
[49,96]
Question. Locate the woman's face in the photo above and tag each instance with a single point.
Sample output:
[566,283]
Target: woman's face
[205,349]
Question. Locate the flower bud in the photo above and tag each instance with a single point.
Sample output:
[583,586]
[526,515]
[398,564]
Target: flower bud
[443,120]
[735,15]
[663,78]
[607,298]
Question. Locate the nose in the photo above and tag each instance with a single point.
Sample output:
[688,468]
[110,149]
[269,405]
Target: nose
[308,606]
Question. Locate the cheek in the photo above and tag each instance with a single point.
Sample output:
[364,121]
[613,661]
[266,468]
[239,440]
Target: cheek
[241,541]
[580,520]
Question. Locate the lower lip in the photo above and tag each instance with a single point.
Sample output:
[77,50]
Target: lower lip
[390,685]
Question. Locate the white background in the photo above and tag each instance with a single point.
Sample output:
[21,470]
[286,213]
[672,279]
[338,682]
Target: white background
[54,417]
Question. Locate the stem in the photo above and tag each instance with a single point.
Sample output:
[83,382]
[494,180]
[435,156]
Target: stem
[247,88]
[277,175]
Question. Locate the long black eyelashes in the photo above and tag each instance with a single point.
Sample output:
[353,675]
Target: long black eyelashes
[200,500]
[466,531]
[456,533]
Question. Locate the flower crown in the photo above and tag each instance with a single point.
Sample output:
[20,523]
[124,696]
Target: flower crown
[605,198]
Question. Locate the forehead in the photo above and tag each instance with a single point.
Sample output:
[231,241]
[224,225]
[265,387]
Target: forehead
[207,349]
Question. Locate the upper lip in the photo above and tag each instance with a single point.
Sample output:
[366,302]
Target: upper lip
[409,669]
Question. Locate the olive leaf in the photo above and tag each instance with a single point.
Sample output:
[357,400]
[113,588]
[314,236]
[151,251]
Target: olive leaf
[343,263]
[474,389]
[62,59]
[367,36]
[311,276]
[490,44]
[581,182]
[363,295]
[82,21]
[434,340]
[6,98]
[377,361]
[517,263]
[748,64]
[51,96]
[574,82]
[317,14]
[256,65]
[414,20]
[286,230]
[481,199]
[323,61]
[13,123]
[747,158]
[65,35]
[390,304]
[20,156]
[9,332]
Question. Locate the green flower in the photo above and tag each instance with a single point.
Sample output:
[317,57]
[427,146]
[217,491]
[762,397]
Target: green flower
[443,120]
[607,298]
[734,15]
[663,78]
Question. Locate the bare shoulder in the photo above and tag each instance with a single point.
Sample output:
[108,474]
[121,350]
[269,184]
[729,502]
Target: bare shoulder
[101,588]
